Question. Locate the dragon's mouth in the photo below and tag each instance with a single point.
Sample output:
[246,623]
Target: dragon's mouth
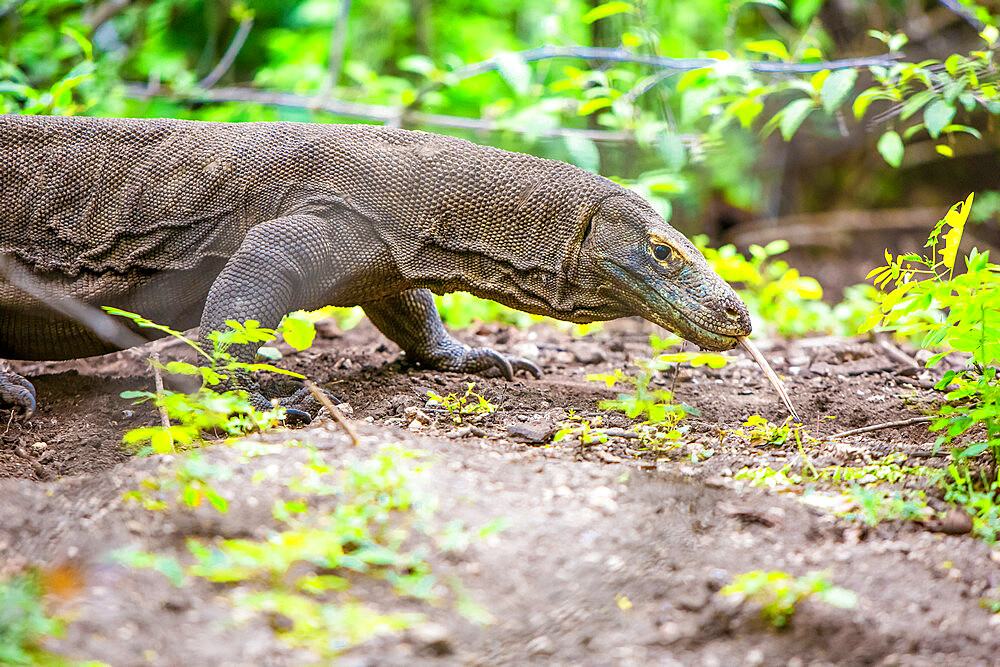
[694,332]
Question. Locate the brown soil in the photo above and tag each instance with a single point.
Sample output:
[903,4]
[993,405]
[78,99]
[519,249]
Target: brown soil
[590,525]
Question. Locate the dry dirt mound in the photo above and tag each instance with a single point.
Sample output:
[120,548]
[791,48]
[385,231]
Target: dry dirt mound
[612,555]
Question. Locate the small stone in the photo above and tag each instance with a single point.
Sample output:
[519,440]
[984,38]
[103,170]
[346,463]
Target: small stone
[527,351]
[603,499]
[432,638]
[586,353]
[415,414]
[535,434]
[954,522]
[345,408]
[541,645]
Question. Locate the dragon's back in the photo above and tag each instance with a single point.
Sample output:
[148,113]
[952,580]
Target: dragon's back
[95,195]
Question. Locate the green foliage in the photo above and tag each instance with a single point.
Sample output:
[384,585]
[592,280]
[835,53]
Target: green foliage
[461,309]
[953,312]
[759,431]
[207,410]
[24,621]
[379,529]
[462,407]
[780,299]
[779,593]
[656,404]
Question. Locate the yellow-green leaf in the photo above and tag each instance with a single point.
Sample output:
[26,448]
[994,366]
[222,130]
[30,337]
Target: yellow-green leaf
[593,105]
[298,330]
[956,218]
[607,9]
[770,47]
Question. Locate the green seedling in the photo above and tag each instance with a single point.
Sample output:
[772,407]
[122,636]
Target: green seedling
[876,505]
[779,593]
[466,407]
[759,431]
[207,410]
[581,430]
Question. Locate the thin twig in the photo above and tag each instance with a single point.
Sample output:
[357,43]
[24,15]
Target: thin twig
[879,427]
[337,415]
[55,297]
[894,352]
[154,361]
[229,56]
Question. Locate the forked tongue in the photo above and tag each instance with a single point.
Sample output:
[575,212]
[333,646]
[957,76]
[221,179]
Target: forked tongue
[771,375]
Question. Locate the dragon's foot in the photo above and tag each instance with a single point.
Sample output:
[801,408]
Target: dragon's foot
[460,358]
[16,393]
[300,408]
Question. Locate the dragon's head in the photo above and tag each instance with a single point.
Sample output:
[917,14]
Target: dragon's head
[651,270]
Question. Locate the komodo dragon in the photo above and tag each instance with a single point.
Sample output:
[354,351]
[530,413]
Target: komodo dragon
[188,222]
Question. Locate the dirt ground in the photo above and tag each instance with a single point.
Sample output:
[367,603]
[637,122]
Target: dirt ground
[589,525]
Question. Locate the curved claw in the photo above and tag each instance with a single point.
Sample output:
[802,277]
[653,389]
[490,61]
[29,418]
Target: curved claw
[521,364]
[500,363]
[302,407]
[295,417]
[17,392]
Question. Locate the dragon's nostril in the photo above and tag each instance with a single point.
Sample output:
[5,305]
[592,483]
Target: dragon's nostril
[732,313]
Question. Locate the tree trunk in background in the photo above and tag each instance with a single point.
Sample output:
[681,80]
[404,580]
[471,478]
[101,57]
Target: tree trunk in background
[422,33]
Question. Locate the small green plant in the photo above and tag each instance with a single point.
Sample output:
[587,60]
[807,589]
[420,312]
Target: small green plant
[379,529]
[190,483]
[876,505]
[207,410]
[468,406]
[24,621]
[955,312]
[779,593]
[582,430]
[759,431]
[656,404]
[768,478]
[952,311]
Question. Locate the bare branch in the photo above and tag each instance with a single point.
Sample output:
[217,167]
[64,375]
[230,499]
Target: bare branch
[879,427]
[679,64]
[378,112]
[963,13]
[229,56]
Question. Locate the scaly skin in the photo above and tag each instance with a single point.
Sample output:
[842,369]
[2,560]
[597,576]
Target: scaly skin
[188,222]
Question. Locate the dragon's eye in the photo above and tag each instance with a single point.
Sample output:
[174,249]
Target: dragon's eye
[662,252]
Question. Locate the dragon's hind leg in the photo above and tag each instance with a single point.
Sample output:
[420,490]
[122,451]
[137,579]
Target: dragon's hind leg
[16,393]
